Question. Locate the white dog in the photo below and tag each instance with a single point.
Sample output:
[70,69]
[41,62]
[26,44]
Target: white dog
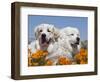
[46,35]
[68,44]
[73,36]
[60,48]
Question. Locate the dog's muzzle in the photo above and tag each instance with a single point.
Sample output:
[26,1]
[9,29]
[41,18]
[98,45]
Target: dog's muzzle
[44,39]
[77,40]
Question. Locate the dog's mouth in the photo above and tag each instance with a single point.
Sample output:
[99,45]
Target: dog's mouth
[45,41]
[77,43]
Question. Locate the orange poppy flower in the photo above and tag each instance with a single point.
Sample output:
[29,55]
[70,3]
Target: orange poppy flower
[81,57]
[64,61]
[49,63]
[39,54]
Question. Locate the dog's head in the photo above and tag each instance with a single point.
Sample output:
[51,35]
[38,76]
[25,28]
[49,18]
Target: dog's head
[73,35]
[45,33]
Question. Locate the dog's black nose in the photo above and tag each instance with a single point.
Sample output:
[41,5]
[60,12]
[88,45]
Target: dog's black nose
[43,35]
[78,39]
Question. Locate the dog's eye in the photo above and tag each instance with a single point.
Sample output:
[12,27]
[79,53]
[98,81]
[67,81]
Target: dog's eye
[72,34]
[40,30]
[48,30]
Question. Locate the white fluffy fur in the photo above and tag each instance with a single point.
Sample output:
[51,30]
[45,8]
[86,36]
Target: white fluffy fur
[63,46]
[72,33]
[52,36]
[60,44]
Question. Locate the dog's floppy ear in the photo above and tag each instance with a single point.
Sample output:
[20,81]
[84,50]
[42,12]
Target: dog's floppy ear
[36,31]
[56,34]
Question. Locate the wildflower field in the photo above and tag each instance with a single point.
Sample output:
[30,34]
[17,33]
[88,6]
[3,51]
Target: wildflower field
[39,58]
